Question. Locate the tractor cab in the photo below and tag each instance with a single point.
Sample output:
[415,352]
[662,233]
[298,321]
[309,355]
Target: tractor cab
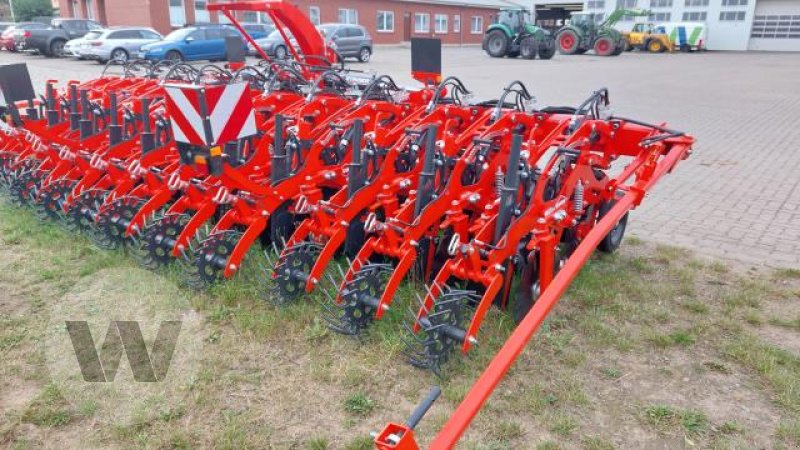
[647,28]
[514,19]
[583,20]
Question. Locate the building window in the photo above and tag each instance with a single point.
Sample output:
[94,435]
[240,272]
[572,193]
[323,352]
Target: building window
[731,16]
[734,2]
[314,15]
[422,23]
[457,23]
[660,17]
[626,4]
[696,2]
[177,13]
[595,4]
[441,23]
[385,22]
[696,16]
[348,16]
[476,25]
[661,3]
[776,27]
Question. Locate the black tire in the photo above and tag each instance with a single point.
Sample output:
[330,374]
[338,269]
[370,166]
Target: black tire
[613,239]
[568,42]
[527,290]
[56,48]
[497,43]
[280,52]
[120,54]
[365,54]
[174,55]
[528,48]
[547,48]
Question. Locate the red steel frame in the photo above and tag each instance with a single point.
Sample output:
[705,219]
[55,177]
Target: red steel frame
[656,160]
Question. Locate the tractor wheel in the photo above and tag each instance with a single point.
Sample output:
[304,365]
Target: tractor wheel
[497,44]
[547,48]
[655,46]
[529,47]
[568,42]
[604,46]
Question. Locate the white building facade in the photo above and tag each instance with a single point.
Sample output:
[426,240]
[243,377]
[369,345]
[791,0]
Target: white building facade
[766,25]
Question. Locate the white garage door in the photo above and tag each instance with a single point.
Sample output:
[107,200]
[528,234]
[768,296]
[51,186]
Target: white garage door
[776,26]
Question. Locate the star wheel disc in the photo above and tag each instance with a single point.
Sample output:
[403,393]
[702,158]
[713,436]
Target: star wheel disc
[441,330]
[111,225]
[360,297]
[211,258]
[154,249]
[292,269]
[51,198]
[81,214]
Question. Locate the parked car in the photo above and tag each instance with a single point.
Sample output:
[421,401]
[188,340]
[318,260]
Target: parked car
[51,41]
[351,41]
[11,36]
[117,43]
[273,45]
[192,43]
[258,30]
[72,48]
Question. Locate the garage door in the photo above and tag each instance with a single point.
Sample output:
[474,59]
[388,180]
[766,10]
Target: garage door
[776,26]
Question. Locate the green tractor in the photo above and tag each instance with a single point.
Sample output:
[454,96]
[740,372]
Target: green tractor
[513,35]
[584,33]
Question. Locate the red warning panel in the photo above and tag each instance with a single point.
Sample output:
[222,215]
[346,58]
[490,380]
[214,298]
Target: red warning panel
[210,115]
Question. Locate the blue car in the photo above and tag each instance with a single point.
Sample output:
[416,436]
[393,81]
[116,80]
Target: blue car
[191,44]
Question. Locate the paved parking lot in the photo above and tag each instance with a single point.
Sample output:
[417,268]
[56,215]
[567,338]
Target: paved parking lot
[737,198]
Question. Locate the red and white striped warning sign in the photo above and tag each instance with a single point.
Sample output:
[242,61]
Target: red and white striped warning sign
[228,109]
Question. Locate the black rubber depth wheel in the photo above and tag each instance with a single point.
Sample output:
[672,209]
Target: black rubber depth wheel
[497,44]
[613,239]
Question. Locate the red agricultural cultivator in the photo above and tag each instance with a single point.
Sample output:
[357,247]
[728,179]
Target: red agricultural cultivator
[352,186]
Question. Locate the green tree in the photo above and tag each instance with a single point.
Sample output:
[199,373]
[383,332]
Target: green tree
[28,9]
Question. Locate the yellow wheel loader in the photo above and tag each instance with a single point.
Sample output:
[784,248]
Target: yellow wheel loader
[644,37]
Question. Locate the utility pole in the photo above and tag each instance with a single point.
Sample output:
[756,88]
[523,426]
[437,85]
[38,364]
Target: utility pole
[11,9]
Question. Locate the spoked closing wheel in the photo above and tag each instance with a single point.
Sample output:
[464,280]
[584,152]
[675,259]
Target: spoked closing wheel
[112,224]
[154,249]
[211,258]
[442,330]
[360,298]
[50,201]
[24,185]
[81,214]
[292,271]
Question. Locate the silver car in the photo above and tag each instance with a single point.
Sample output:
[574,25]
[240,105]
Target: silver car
[119,43]
[73,46]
